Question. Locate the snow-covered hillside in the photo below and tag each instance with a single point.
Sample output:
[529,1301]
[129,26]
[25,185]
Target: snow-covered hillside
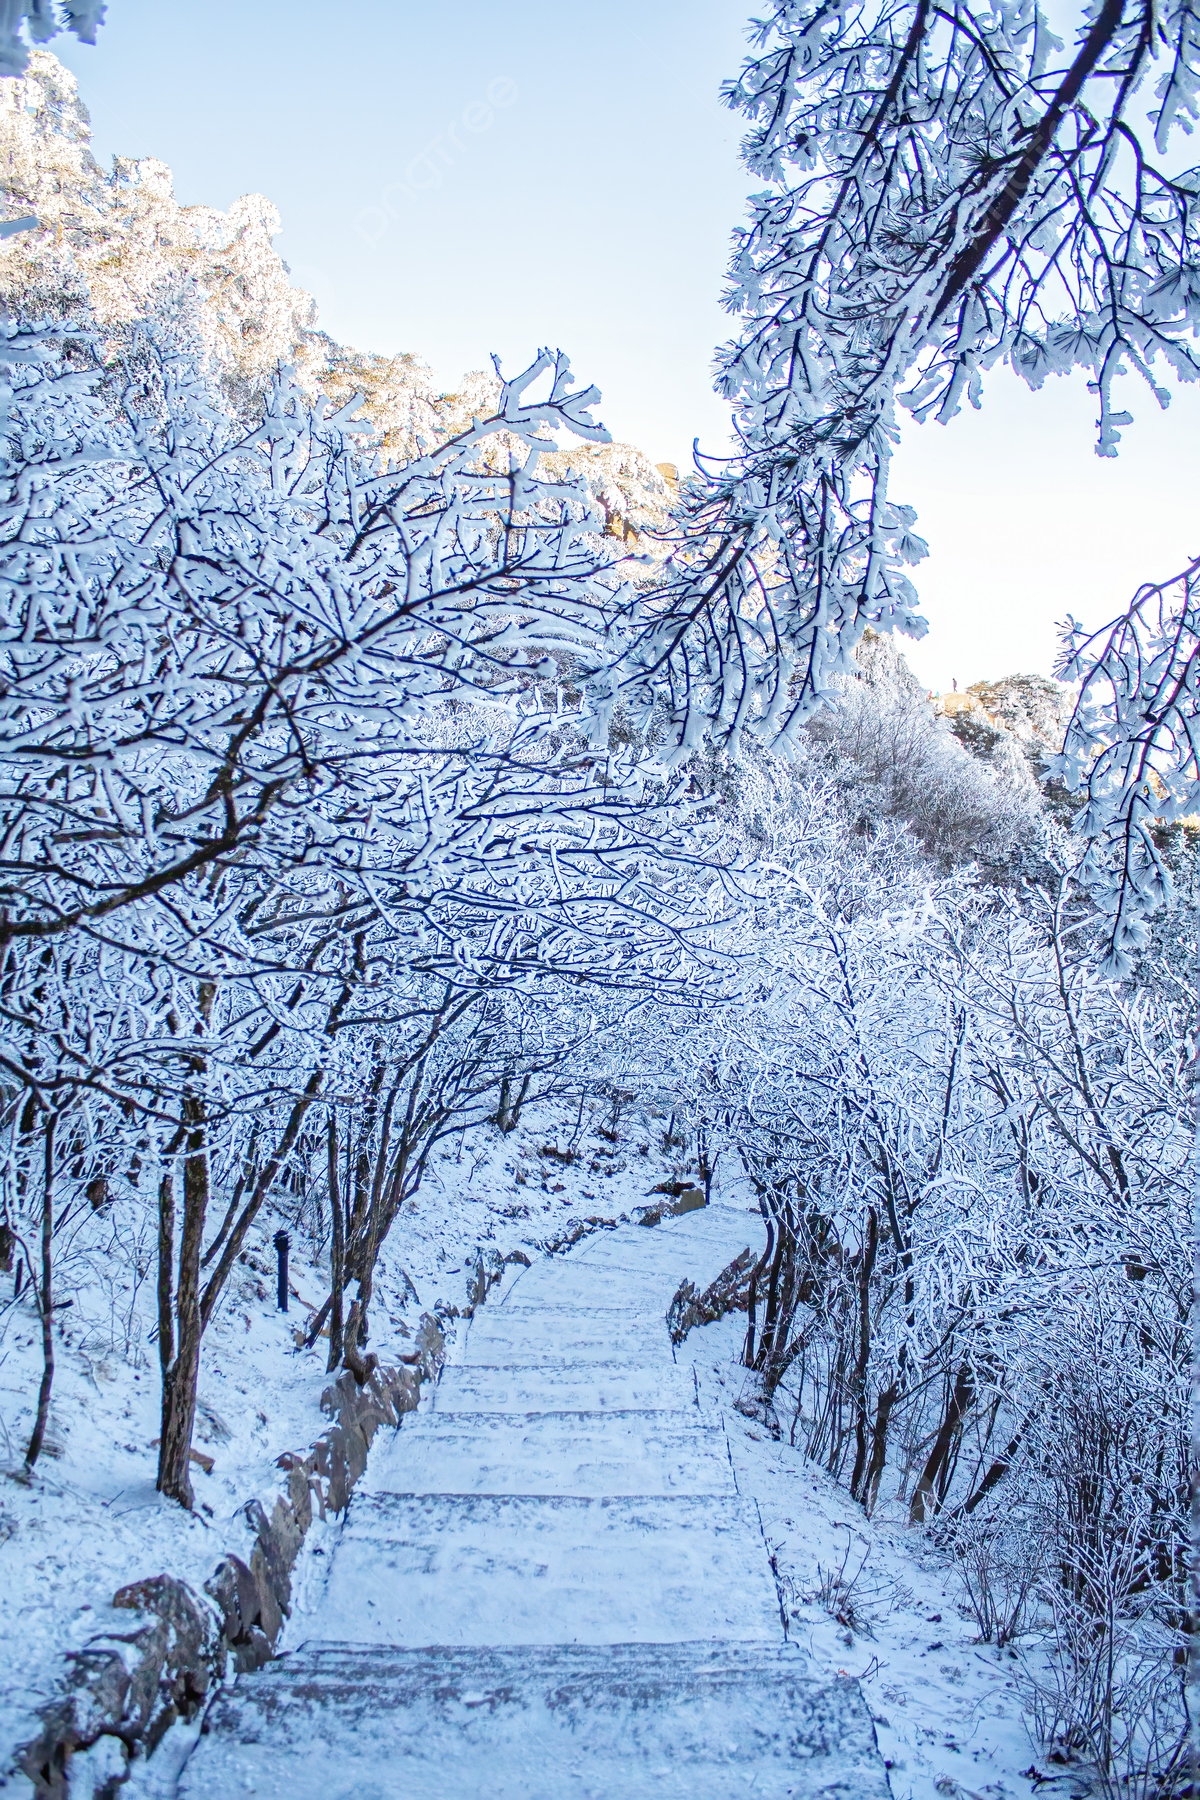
[119,238]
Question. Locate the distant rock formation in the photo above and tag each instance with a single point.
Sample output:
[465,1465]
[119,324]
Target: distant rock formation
[1031,708]
[114,240]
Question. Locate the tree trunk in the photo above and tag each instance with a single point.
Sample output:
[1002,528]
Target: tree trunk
[181,1379]
[337,1254]
[998,1470]
[957,1407]
[883,1417]
[858,1381]
[756,1273]
[360,1366]
[766,1341]
[261,1189]
[166,1272]
[508,1112]
[45,1305]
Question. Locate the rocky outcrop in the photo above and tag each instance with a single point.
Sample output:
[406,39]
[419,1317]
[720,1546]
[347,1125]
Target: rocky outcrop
[489,1269]
[132,1685]
[685,1200]
[730,1292]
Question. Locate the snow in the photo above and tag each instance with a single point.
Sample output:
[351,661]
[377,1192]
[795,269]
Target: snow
[631,1640]
[584,1329]
[946,1708]
[90,1520]
[850,1022]
[431,1552]
[678,1722]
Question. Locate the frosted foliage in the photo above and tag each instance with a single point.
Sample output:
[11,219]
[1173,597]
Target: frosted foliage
[42,20]
[1033,708]
[898,759]
[940,189]
[114,239]
[974,1155]
[316,610]
[407,411]
[1132,748]
[306,787]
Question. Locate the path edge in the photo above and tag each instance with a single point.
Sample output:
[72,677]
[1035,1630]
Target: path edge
[184,1643]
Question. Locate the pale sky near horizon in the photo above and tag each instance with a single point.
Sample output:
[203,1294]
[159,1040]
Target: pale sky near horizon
[461,180]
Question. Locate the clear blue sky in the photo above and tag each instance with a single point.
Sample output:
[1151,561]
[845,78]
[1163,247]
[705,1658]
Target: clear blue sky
[591,209]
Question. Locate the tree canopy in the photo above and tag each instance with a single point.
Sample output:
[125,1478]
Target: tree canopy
[944,188]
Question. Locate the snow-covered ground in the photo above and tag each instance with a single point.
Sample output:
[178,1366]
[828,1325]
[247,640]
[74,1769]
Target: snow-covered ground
[549,1584]
[947,1709]
[90,1519]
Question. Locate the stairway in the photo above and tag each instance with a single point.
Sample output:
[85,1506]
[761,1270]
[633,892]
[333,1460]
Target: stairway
[548,1586]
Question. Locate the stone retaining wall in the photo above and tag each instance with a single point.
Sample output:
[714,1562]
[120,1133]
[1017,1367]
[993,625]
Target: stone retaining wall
[130,1687]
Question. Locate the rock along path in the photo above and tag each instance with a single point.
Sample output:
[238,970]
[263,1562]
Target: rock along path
[548,1587]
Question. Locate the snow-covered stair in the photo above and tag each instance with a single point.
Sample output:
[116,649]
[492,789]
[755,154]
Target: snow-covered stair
[567,1722]
[549,1585]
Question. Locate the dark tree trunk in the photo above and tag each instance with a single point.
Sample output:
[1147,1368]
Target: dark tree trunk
[360,1366]
[766,1342]
[958,1405]
[45,1305]
[756,1273]
[337,1254]
[858,1380]
[166,1272]
[785,1289]
[883,1415]
[508,1112]
[261,1189]
[181,1379]
[998,1470]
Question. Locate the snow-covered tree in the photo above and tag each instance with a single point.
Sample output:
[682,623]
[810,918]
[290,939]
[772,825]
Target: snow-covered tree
[1133,748]
[973,1155]
[42,20]
[943,188]
[966,795]
[110,241]
[303,751]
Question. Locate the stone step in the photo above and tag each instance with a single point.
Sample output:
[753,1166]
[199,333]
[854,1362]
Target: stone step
[554,1312]
[683,1721]
[519,1339]
[588,1453]
[644,1265]
[536,1569]
[554,1386]
[548,1587]
[581,1285]
[670,1245]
